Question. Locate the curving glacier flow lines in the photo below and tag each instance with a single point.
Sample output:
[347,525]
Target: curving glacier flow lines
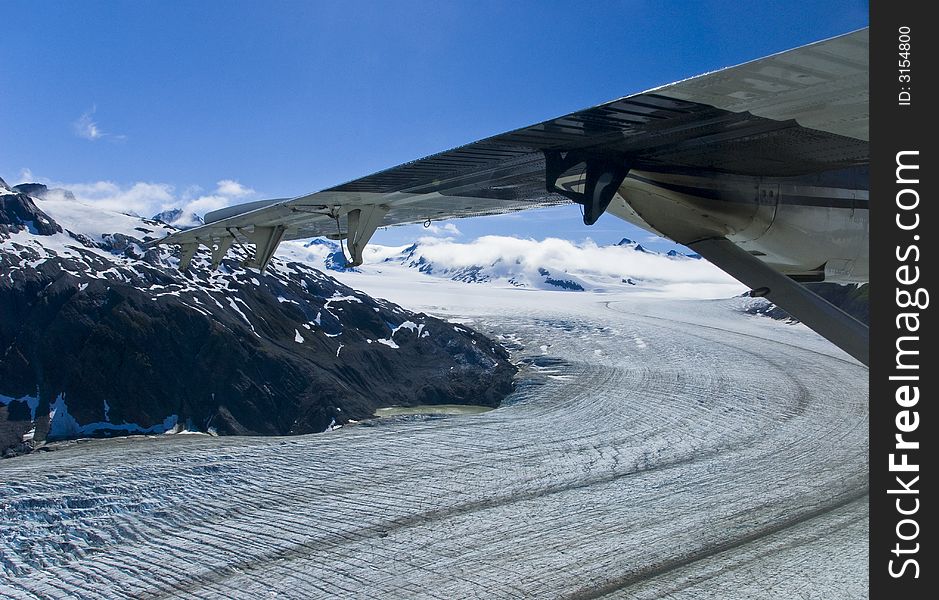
[653,448]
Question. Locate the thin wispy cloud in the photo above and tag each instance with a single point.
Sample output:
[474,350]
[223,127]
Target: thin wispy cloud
[88,128]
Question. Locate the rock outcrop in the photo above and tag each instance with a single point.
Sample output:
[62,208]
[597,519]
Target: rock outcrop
[41,190]
[101,335]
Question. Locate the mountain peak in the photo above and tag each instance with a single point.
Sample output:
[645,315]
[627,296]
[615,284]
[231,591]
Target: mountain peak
[322,242]
[37,190]
[178,219]
[631,243]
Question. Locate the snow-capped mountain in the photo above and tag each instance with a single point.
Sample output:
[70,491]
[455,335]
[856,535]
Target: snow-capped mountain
[103,336]
[550,264]
[636,246]
[178,219]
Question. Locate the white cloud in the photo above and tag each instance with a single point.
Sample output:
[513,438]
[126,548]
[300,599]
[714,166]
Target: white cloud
[232,189]
[139,198]
[445,230]
[192,191]
[510,257]
[530,263]
[86,127]
[149,198]
[227,192]
[204,204]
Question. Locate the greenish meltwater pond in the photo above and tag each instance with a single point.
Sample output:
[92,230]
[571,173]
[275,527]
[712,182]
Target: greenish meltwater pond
[436,409]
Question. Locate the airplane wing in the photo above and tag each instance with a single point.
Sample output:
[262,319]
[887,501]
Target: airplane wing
[768,123]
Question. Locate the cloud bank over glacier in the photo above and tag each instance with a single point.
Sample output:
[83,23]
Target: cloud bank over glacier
[146,199]
[551,263]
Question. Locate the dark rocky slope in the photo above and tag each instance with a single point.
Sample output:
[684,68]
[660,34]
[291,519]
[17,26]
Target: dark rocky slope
[100,335]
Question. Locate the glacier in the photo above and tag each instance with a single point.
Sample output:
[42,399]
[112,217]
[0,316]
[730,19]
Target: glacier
[655,446]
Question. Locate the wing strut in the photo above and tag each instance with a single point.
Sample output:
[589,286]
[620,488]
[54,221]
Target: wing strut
[219,247]
[821,316]
[362,223]
[266,240]
[187,251]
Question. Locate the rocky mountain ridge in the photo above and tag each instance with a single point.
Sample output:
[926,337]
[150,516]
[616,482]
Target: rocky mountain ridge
[101,335]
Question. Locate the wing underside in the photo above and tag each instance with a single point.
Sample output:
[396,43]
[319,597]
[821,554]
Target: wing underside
[790,115]
[797,112]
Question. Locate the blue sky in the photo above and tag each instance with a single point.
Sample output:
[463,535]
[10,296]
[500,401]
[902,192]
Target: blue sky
[204,103]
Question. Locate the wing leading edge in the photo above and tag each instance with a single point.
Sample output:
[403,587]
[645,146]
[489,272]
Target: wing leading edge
[782,121]
[750,122]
